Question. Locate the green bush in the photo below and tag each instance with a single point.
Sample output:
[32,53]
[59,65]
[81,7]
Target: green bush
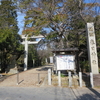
[85,66]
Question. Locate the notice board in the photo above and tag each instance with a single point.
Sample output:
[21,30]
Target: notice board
[65,62]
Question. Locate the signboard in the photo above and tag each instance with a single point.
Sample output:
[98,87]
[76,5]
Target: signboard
[51,59]
[65,62]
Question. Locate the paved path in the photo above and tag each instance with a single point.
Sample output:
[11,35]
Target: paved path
[27,91]
[48,93]
[29,78]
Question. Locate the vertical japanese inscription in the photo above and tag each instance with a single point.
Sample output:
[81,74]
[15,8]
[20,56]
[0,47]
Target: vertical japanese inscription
[92,51]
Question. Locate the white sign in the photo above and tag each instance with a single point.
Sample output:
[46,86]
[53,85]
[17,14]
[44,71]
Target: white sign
[65,62]
[51,59]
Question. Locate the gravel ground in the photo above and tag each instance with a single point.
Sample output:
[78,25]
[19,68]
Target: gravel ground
[29,78]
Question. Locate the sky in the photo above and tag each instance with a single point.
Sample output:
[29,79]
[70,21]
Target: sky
[20,20]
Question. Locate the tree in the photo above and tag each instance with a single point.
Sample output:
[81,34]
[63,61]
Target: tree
[61,17]
[51,15]
[9,39]
[61,21]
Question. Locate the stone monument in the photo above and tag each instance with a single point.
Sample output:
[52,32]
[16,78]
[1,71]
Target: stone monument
[92,50]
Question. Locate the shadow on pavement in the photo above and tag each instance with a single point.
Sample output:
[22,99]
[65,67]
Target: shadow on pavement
[88,97]
[20,81]
[95,92]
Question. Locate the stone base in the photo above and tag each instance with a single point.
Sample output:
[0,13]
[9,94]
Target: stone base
[13,71]
[96,79]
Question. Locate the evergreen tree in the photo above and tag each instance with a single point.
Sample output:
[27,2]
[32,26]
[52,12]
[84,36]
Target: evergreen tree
[9,39]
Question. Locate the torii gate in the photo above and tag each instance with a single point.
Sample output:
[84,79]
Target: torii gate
[26,42]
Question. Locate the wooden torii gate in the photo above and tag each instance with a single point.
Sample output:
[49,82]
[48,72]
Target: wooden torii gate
[26,43]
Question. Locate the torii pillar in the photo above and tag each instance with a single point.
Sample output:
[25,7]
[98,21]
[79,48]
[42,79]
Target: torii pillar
[26,43]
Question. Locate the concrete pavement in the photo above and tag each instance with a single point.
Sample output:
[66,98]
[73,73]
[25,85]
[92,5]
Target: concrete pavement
[48,93]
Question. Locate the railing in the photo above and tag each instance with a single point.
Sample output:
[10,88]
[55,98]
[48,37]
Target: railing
[37,79]
[70,79]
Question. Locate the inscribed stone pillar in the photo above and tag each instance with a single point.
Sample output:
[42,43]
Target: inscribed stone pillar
[92,50]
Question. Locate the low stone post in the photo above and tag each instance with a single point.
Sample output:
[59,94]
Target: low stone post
[80,79]
[38,78]
[70,79]
[91,79]
[33,63]
[49,76]
[59,78]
